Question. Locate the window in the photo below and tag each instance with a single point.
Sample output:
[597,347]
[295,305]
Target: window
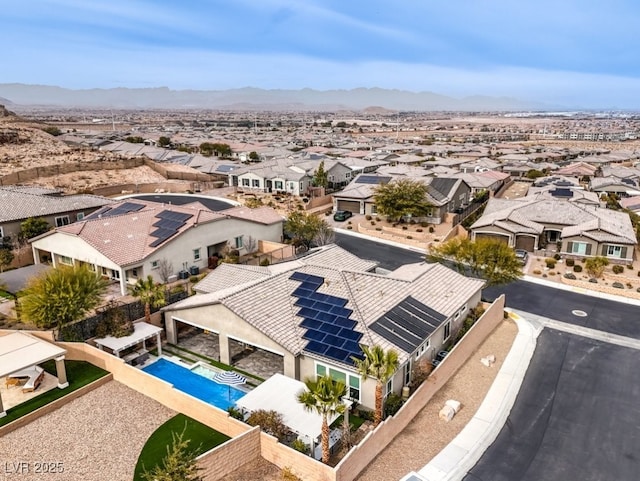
[92,267]
[63,220]
[245,182]
[80,216]
[278,184]
[350,380]
[374,209]
[614,251]
[196,254]
[155,264]
[461,311]
[447,331]
[134,272]
[389,387]
[420,351]
[407,372]
[66,260]
[255,182]
[579,248]
[347,175]
[238,241]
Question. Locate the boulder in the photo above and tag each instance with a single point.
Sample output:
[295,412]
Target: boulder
[446,413]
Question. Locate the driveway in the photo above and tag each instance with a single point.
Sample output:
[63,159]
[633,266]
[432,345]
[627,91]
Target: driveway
[576,416]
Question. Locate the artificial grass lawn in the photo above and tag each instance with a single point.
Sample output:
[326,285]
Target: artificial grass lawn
[79,374]
[202,437]
[354,421]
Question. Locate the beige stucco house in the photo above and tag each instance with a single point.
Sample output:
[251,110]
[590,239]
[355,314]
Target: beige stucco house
[316,311]
[132,239]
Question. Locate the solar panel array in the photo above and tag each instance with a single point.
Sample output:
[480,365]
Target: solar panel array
[123,208]
[372,179]
[408,324]
[225,168]
[329,329]
[167,225]
[561,192]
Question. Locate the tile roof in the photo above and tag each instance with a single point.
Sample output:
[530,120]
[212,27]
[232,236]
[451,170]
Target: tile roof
[268,304]
[22,203]
[262,215]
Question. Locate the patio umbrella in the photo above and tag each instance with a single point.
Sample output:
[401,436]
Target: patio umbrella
[230,378]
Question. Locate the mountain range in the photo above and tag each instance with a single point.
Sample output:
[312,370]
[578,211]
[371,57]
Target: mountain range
[250,98]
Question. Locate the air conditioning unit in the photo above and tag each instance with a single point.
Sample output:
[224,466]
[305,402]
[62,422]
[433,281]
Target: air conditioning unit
[194,270]
[183,275]
[172,278]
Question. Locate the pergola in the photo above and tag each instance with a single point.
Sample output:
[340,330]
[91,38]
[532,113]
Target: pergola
[141,332]
[20,350]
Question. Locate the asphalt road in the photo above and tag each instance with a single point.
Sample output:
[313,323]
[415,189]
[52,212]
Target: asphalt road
[177,199]
[602,314]
[576,417]
[388,257]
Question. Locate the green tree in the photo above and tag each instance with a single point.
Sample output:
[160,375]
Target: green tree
[61,295]
[303,228]
[320,176]
[253,156]
[595,266]
[6,258]
[33,227]
[164,141]
[150,293]
[55,131]
[222,150]
[381,365]
[401,198]
[534,174]
[179,464]
[324,396]
[487,258]
[134,139]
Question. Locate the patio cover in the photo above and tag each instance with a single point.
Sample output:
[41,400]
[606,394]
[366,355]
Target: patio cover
[279,393]
[17,279]
[141,332]
[20,350]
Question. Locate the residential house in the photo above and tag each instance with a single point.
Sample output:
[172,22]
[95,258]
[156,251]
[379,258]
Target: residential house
[571,228]
[19,203]
[314,313]
[444,194]
[132,239]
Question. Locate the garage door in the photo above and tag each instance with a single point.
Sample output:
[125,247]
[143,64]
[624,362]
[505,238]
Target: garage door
[525,242]
[349,205]
[501,238]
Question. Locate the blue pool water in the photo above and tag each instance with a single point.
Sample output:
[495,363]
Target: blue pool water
[209,391]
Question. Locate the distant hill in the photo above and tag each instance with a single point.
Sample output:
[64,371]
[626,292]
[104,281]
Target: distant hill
[5,102]
[255,99]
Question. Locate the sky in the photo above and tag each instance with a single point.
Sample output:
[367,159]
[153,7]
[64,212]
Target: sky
[575,53]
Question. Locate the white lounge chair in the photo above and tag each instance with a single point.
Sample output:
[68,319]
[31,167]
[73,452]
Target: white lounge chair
[34,375]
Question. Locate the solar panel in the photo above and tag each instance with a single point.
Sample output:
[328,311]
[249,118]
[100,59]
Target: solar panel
[175,216]
[408,323]
[562,193]
[163,233]
[329,331]
[131,207]
[225,168]
[372,179]
[168,224]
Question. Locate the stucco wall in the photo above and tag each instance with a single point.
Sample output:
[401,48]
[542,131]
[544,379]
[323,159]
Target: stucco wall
[229,456]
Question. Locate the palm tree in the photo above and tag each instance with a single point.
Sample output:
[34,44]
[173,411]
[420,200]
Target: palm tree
[150,293]
[324,396]
[381,365]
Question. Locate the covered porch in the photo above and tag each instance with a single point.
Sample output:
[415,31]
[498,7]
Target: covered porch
[20,354]
[122,346]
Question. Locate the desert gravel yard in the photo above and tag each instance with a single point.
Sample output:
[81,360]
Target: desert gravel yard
[95,437]
[427,435]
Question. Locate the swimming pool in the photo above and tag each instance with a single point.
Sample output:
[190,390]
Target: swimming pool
[219,395]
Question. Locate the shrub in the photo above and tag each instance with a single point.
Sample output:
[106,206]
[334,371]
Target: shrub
[235,413]
[418,230]
[409,237]
[618,285]
[420,372]
[289,475]
[194,279]
[378,219]
[378,228]
[424,224]
[556,256]
[595,265]
[265,262]
[630,267]
[404,227]
[373,222]
[393,404]
[593,280]
[327,213]
[349,227]
[300,446]
[431,229]
[617,269]
[577,268]
[551,263]
[552,273]
[349,222]
[570,262]
[537,272]
[368,217]
[569,275]
[269,421]
[629,285]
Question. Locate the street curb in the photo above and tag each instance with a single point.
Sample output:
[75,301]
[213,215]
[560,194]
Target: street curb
[581,290]
[461,454]
[381,241]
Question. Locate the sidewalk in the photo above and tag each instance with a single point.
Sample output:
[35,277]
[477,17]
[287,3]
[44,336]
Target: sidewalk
[454,461]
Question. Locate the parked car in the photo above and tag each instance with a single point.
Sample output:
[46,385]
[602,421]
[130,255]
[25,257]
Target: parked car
[522,256]
[342,215]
